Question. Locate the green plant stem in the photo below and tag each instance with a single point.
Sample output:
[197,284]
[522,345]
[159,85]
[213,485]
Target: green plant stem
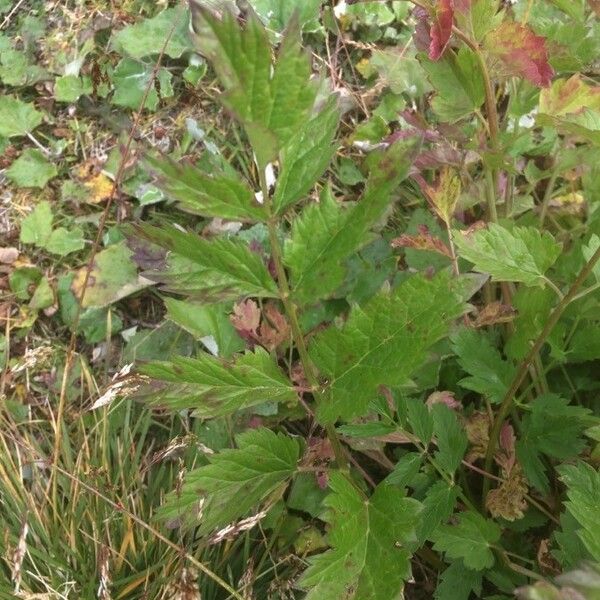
[292,314]
[548,194]
[521,373]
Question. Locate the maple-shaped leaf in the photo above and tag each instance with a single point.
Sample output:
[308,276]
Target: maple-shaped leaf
[583,490]
[214,387]
[271,99]
[209,270]
[327,233]
[522,254]
[382,343]
[225,197]
[471,540]
[515,50]
[235,482]
[368,538]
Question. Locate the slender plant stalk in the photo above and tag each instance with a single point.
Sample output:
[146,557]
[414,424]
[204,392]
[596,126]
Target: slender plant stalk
[292,314]
[507,401]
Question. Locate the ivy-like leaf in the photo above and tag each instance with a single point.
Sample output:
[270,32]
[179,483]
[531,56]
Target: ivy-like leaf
[516,51]
[522,254]
[368,536]
[326,234]
[214,387]
[214,270]
[382,343]
[583,491]
[305,157]
[17,118]
[235,482]
[489,374]
[271,100]
[201,194]
[470,540]
[146,37]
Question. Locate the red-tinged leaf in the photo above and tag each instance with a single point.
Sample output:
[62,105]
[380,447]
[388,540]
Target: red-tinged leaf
[274,329]
[422,241]
[494,313]
[444,397]
[517,51]
[441,28]
[569,96]
[246,319]
[433,30]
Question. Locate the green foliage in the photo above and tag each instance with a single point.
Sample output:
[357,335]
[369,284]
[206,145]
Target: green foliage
[368,537]
[382,343]
[523,254]
[470,540]
[146,37]
[17,118]
[293,287]
[235,482]
[326,234]
[31,169]
[214,271]
[216,388]
[583,487]
[202,194]
[489,374]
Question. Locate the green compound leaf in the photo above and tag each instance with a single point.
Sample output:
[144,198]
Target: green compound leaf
[214,387]
[522,254]
[583,491]
[470,540]
[368,538]
[213,271]
[17,118]
[202,194]
[382,343]
[271,100]
[236,482]
[326,233]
